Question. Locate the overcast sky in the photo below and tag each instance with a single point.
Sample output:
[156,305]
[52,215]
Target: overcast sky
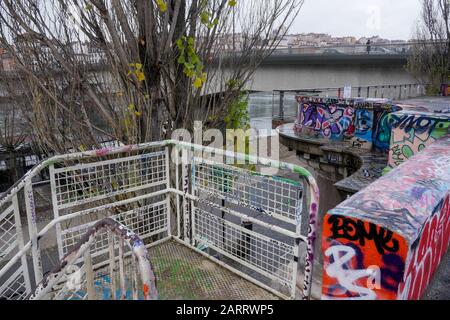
[391,19]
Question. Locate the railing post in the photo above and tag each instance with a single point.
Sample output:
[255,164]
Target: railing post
[112,264]
[33,231]
[21,243]
[168,198]
[56,210]
[193,190]
[298,230]
[123,292]
[134,281]
[359,91]
[177,181]
[281,114]
[90,286]
[368,92]
[187,223]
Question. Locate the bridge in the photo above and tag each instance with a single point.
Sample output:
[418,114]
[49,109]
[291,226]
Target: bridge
[290,69]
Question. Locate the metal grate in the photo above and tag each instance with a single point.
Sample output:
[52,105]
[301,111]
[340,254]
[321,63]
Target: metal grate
[183,274]
[273,196]
[8,234]
[273,259]
[145,221]
[86,183]
[15,287]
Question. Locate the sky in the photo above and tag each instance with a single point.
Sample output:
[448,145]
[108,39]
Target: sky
[391,19]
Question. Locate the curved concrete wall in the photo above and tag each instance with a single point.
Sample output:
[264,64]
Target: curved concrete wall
[387,241]
[412,132]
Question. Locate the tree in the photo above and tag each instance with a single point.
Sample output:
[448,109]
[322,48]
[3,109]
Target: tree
[430,58]
[133,71]
[12,137]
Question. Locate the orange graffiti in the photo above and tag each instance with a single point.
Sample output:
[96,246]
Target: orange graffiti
[146,291]
[361,260]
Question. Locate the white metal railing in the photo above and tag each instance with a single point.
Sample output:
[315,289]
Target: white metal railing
[142,270]
[139,187]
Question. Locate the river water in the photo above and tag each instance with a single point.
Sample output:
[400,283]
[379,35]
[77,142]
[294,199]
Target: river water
[262,106]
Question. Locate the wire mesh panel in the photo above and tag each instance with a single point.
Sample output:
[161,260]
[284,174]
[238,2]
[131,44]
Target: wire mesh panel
[15,286]
[145,221]
[272,258]
[8,234]
[276,197]
[86,183]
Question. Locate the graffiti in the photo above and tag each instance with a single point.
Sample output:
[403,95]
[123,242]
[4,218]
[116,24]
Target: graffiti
[348,278]
[398,219]
[32,207]
[363,129]
[400,223]
[357,253]
[349,229]
[432,245]
[382,132]
[411,134]
[309,261]
[328,121]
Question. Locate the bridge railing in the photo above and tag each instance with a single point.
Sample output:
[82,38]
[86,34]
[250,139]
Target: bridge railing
[384,91]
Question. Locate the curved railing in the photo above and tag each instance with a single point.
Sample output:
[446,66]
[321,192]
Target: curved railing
[16,263]
[83,248]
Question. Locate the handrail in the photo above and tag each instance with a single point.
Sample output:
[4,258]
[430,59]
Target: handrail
[134,242]
[302,172]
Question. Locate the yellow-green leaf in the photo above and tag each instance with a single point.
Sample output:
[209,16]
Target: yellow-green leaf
[162,5]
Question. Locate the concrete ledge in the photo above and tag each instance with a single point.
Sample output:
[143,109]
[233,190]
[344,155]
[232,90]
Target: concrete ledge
[387,241]
[366,165]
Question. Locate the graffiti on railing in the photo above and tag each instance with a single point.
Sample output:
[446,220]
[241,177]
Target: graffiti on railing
[139,252]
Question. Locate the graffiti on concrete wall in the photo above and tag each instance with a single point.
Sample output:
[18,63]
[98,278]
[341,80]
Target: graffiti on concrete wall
[412,133]
[364,121]
[362,261]
[325,120]
[427,252]
[382,131]
[394,232]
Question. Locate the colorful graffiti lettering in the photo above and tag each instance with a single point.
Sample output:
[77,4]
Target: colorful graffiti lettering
[412,133]
[433,244]
[361,260]
[328,121]
[348,277]
[344,228]
[382,132]
[400,224]
[364,129]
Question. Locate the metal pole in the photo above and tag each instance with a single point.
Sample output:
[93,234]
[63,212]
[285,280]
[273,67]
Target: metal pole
[281,115]
[89,275]
[33,231]
[112,264]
